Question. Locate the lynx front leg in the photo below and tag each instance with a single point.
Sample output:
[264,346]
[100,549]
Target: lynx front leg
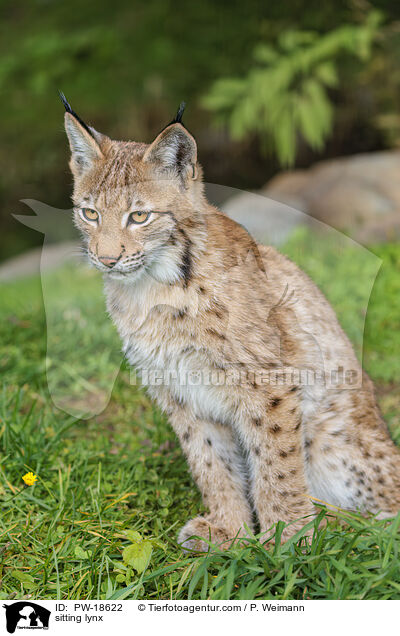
[217,468]
[276,456]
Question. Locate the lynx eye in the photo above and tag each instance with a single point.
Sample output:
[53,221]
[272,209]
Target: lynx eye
[138,217]
[90,215]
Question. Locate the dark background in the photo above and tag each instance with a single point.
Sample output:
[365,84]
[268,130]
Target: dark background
[126,65]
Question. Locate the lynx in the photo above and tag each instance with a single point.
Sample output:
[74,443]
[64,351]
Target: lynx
[190,292]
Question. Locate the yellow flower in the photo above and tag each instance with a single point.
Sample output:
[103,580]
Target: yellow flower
[29,479]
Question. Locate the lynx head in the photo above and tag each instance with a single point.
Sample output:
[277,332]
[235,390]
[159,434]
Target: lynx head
[140,207]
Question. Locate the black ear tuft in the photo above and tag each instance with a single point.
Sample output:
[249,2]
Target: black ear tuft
[178,117]
[179,114]
[67,106]
[69,110]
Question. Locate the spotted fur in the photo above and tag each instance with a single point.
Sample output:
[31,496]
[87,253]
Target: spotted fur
[192,293]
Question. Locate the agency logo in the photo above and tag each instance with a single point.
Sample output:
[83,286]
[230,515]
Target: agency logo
[26,615]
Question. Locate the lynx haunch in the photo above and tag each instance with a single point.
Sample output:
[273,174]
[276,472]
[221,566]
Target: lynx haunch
[190,292]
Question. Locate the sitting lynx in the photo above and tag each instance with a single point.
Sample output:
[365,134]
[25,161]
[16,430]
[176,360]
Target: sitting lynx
[191,293]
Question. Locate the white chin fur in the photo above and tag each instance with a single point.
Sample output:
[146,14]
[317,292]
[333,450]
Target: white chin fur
[165,268]
[127,277]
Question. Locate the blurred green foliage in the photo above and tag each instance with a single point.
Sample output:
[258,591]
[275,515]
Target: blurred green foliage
[125,67]
[286,93]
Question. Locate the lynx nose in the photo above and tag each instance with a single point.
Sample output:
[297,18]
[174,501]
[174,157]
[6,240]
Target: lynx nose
[108,261]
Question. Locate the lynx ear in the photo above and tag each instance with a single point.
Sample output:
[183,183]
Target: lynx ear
[174,150]
[85,150]
[84,141]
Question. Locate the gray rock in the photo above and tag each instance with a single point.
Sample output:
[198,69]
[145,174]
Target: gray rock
[39,259]
[267,220]
[359,195]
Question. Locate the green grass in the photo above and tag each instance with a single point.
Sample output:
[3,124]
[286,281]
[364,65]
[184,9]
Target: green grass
[122,470]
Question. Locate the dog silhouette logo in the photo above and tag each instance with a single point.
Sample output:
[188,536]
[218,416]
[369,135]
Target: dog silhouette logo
[26,615]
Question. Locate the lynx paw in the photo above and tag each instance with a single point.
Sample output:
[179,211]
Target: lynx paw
[201,527]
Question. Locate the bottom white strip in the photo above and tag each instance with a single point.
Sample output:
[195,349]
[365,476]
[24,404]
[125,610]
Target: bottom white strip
[128,617]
